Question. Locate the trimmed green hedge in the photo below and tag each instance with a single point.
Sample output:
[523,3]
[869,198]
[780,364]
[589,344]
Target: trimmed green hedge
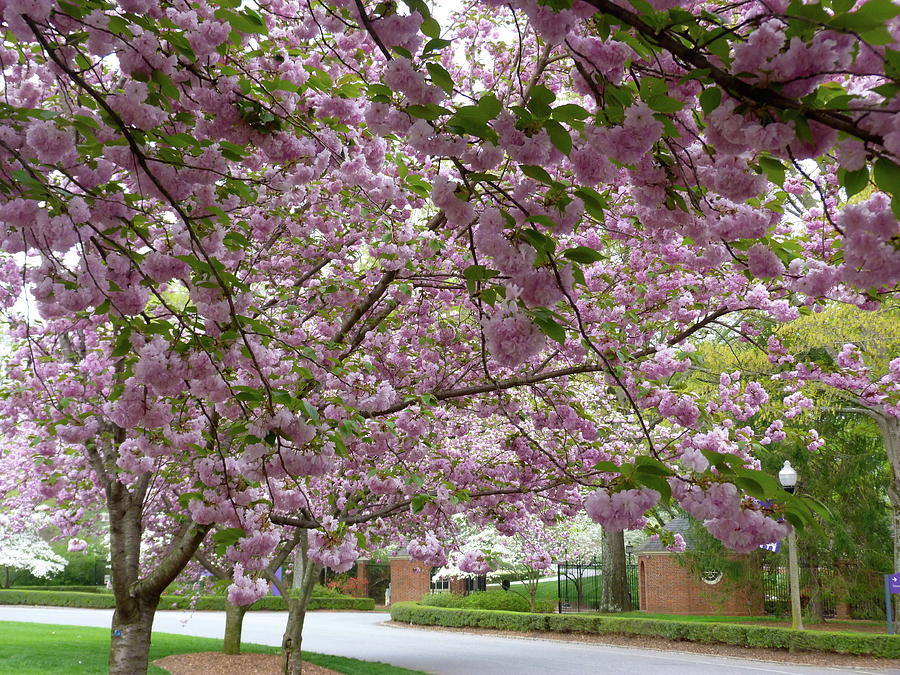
[210,602]
[67,589]
[493,599]
[885,646]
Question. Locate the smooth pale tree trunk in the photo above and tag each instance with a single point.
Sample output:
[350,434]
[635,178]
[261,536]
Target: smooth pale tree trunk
[137,598]
[306,573]
[234,623]
[890,429]
[615,597]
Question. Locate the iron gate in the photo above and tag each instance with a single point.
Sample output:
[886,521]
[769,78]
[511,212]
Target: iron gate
[580,585]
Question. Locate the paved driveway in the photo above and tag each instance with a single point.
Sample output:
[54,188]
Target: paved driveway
[363,635]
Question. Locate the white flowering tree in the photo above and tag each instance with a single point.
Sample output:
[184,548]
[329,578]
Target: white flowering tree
[526,554]
[24,549]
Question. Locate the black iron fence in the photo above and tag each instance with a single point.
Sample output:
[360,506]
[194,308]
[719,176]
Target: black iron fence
[580,585]
[817,585]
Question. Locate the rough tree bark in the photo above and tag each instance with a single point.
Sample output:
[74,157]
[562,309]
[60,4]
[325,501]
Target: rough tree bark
[234,614]
[137,598]
[306,573]
[234,623]
[615,596]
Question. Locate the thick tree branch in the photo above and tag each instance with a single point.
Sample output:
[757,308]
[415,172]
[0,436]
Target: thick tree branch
[735,86]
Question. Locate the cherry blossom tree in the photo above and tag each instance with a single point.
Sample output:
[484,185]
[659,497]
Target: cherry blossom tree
[317,264]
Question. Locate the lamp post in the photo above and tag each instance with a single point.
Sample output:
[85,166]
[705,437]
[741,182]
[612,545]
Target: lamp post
[788,479]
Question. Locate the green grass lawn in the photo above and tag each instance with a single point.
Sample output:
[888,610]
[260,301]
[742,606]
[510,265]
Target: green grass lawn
[44,649]
[546,590]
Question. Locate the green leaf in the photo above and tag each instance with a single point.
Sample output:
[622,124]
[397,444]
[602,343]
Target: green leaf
[165,84]
[750,486]
[722,461]
[540,100]
[582,254]
[440,77]
[550,328]
[247,22]
[594,202]
[475,273]
[539,173]
[430,111]
[311,412]
[123,343]
[227,537]
[235,241]
[559,136]
[794,519]
[434,44]
[854,182]
[651,465]
[887,176]
[710,99]
[655,482]
[430,28]
[664,104]
[539,240]
[570,113]
[773,169]
[818,507]
[418,502]
[769,486]
[870,16]
[473,119]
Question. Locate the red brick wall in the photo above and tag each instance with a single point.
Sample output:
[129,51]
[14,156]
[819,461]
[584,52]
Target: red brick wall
[668,588]
[410,580]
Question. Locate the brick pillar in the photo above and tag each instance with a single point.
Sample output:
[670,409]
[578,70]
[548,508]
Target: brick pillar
[410,580]
[362,573]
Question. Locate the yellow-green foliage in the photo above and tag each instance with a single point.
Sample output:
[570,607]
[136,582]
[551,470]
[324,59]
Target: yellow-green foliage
[812,337]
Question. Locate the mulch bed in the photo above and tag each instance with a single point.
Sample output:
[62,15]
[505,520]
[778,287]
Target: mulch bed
[662,644]
[217,663]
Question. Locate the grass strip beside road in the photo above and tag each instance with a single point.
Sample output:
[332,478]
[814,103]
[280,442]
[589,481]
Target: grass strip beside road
[46,649]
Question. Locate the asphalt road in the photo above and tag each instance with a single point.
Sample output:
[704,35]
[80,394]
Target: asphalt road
[363,635]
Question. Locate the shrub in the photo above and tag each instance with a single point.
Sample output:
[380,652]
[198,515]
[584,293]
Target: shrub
[320,591]
[494,599]
[69,589]
[502,600]
[347,585]
[443,600]
[206,602]
[884,646]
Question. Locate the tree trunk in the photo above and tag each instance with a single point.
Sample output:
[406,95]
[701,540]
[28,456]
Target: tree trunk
[615,597]
[234,621]
[890,429]
[305,575]
[137,598]
[815,607]
[131,627]
[133,619]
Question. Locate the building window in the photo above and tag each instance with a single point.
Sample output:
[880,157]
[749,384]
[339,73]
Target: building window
[439,585]
[711,577]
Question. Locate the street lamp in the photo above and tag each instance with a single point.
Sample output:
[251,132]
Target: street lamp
[629,552]
[788,479]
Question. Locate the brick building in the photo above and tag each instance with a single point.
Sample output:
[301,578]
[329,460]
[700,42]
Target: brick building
[667,587]
[410,580]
